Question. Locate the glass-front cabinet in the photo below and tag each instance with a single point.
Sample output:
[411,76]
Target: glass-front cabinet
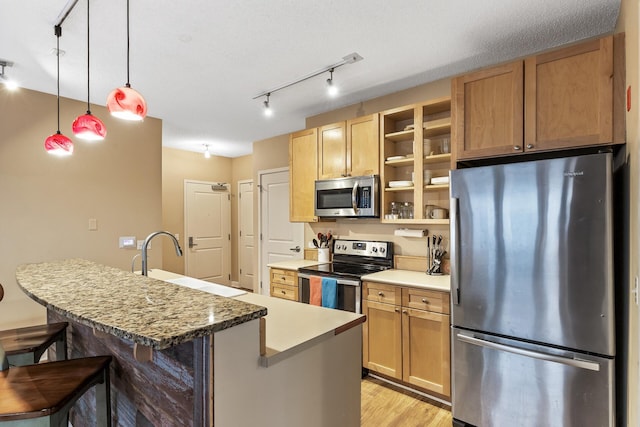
[416,157]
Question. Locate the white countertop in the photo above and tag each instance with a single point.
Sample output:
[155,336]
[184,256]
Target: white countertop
[291,326]
[293,264]
[416,279]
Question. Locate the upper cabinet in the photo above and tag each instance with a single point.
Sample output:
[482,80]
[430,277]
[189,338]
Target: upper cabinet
[349,148]
[303,172]
[550,101]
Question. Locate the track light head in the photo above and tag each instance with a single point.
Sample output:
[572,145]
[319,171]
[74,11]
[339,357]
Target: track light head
[268,111]
[8,83]
[332,89]
[207,153]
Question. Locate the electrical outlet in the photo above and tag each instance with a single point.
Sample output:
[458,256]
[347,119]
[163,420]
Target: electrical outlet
[634,291]
[141,244]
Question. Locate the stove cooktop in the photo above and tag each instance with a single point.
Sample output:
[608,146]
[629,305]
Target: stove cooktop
[344,269]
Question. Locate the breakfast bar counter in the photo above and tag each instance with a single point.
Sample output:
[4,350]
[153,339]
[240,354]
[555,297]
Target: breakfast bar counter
[183,356]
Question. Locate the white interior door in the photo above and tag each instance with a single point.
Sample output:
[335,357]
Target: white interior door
[280,240]
[207,214]
[245,234]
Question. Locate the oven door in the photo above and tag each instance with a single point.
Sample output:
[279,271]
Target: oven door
[349,292]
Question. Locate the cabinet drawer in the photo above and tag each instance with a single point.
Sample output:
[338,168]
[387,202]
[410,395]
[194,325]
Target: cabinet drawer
[284,277]
[379,292]
[284,291]
[423,299]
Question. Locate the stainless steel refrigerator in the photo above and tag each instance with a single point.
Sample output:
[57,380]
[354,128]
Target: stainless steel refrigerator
[533,294]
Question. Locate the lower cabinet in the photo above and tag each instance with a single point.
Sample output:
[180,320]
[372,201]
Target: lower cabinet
[283,283]
[406,335]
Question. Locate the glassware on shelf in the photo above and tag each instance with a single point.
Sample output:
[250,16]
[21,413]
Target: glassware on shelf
[406,210]
[394,210]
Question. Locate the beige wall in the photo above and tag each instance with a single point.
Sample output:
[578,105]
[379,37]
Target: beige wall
[47,201]
[628,22]
[178,166]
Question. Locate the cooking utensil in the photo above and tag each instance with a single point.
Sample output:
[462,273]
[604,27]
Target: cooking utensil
[315,243]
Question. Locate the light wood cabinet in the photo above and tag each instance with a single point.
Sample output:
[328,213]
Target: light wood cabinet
[406,335]
[303,170]
[283,283]
[556,100]
[411,144]
[349,148]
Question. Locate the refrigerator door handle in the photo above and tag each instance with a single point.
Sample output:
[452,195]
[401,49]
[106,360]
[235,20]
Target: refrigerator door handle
[577,363]
[453,247]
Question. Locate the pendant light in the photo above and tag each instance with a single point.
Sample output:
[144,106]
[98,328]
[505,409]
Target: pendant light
[126,103]
[57,143]
[88,126]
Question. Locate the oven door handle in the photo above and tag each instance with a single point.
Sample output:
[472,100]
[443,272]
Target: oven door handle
[346,282]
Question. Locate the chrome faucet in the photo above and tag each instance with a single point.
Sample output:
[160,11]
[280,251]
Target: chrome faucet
[146,244]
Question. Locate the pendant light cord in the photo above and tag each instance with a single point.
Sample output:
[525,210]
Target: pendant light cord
[128,85]
[58,31]
[88,64]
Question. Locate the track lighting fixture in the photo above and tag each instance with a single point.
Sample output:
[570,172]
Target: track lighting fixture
[8,83]
[268,111]
[126,103]
[207,153]
[58,143]
[332,89]
[88,126]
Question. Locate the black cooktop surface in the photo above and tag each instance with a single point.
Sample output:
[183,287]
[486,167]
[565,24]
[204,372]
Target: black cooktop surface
[343,269]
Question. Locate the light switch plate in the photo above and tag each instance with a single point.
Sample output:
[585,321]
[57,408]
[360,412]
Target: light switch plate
[127,242]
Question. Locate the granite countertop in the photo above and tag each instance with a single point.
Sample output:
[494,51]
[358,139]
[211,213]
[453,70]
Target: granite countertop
[293,264]
[416,279]
[144,310]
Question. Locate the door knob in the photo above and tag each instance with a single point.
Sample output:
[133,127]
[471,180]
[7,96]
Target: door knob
[296,249]
[191,244]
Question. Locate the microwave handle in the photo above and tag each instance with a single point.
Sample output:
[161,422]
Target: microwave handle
[354,197]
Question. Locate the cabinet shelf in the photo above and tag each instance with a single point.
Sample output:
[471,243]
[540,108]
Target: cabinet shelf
[436,187]
[400,162]
[403,135]
[437,130]
[437,158]
[415,221]
[397,189]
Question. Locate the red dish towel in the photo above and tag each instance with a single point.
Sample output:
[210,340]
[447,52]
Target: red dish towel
[315,290]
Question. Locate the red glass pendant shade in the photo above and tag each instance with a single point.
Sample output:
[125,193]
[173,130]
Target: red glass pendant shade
[127,104]
[58,144]
[89,127]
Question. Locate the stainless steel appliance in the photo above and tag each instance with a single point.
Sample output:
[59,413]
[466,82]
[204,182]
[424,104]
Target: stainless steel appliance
[355,196]
[352,259]
[533,293]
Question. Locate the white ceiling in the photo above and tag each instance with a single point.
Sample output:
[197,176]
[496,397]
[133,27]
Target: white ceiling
[199,63]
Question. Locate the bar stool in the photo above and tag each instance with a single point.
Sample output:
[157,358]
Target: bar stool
[42,394]
[25,346]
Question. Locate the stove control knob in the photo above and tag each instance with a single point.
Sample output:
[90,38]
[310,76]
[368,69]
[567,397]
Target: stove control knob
[382,250]
[374,249]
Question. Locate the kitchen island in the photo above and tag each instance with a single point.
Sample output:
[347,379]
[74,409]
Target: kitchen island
[187,357]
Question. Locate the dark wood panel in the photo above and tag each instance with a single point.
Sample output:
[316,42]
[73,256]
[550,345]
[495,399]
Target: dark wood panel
[159,392]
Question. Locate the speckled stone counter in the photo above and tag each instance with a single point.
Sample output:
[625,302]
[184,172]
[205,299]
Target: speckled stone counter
[146,311]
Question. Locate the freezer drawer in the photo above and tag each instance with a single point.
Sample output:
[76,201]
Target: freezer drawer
[503,382]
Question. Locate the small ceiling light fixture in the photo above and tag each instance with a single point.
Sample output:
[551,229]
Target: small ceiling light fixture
[8,83]
[88,126]
[207,153]
[126,103]
[349,59]
[332,89]
[58,143]
[268,111]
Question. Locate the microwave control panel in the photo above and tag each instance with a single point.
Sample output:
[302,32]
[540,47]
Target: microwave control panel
[365,198]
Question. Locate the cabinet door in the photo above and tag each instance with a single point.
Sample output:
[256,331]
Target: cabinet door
[303,169]
[487,107]
[363,146]
[382,338]
[332,151]
[569,97]
[425,350]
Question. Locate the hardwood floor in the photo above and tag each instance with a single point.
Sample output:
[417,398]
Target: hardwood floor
[384,405]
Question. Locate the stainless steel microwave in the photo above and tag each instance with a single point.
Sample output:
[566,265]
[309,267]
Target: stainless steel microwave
[350,197]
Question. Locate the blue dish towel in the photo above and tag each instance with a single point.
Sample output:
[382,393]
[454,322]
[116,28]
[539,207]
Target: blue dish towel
[329,292]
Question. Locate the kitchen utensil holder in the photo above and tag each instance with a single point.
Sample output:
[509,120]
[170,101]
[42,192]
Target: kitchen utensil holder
[324,255]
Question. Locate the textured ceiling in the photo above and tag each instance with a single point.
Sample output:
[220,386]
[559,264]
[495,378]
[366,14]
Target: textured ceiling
[199,63]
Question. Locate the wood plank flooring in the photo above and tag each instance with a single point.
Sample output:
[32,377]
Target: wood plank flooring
[384,405]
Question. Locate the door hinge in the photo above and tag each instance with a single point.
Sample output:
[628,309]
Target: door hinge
[229,276]
[261,237]
[240,233]
[229,236]
[228,196]
[261,284]
[240,271]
